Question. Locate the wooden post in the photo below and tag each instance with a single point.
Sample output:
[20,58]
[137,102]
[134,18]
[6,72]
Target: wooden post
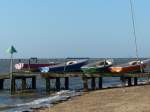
[1,84]
[85,83]
[93,84]
[66,83]
[129,81]
[23,83]
[12,85]
[47,84]
[33,82]
[123,80]
[100,83]
[135,81]
[57,83]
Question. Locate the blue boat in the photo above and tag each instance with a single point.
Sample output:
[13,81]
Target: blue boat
[69,66]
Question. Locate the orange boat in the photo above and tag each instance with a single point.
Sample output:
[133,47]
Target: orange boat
[133,66]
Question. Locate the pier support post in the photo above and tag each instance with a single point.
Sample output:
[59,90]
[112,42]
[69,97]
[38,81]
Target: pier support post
[123,80]
[100,82]
[66,83]
[23,83]
[13,85]
[47,84]
[33,82]
[129,81]
[57,83]
[85,83]
[1,84]
[93,84]
[135,81]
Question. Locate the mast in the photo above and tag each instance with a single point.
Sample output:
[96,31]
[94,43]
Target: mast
[134,29]
[134,33]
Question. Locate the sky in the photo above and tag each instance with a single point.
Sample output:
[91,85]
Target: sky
[74,28]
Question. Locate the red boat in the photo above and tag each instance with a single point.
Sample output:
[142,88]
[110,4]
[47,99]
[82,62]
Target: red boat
[133,66]
[31,67]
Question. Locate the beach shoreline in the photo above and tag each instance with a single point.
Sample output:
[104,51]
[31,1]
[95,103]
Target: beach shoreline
[127,99]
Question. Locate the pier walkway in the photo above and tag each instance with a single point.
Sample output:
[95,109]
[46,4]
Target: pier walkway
[23,76]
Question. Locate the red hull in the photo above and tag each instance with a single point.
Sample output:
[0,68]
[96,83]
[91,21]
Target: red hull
[127,69]
[22,66]
[132,66]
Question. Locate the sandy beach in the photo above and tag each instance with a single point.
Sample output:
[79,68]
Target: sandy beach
[129,99]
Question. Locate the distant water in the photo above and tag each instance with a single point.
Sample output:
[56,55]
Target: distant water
[39,98]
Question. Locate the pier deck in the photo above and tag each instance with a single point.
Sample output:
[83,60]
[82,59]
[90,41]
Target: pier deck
[57,76]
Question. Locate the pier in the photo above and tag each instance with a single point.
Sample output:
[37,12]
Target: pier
[130,78]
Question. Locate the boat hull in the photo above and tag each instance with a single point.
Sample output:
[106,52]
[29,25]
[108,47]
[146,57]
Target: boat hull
[92,70]
[130,68]
[97,67]
[137,68]
[75,67]
[31,67]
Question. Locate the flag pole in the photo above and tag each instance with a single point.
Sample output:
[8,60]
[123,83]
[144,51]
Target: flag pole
[11,74]
[11,51]
[11,63]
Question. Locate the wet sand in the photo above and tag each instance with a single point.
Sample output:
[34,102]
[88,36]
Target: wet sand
[129,99]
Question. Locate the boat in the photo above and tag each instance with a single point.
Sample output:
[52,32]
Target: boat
[130,67]
[69,66]
[97,67]
[31,67]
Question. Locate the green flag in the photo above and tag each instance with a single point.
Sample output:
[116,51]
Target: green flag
[11,50]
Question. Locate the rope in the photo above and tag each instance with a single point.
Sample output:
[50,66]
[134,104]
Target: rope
[134,33]
[134,29]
